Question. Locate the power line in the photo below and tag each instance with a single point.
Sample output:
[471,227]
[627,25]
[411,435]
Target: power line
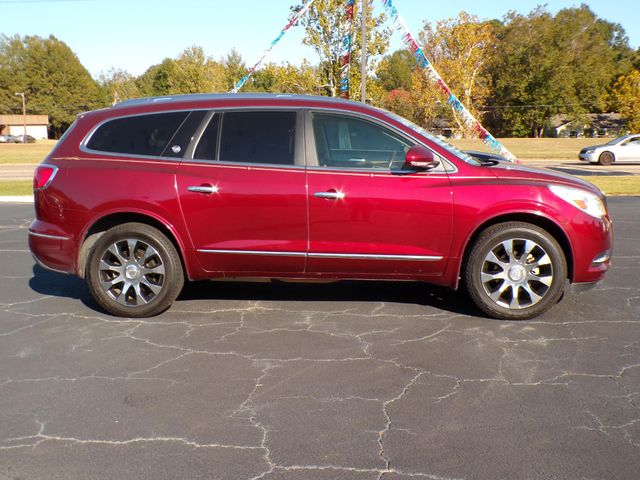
[6,2]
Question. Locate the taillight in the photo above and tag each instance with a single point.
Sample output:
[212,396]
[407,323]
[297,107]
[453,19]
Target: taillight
[43,176]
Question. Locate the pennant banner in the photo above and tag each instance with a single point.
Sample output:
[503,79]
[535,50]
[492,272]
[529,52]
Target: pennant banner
[293,21]
[412,45]
[345,54]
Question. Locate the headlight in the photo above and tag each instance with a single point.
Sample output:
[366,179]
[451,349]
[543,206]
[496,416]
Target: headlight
[581,199]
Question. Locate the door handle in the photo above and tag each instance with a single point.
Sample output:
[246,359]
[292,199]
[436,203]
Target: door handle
[331,195]
[203,189]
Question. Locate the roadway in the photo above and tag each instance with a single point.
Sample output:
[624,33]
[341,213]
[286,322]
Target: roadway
[354,380]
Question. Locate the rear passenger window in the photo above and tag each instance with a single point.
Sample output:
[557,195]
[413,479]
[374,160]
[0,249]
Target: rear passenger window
[137,135]
[258,137]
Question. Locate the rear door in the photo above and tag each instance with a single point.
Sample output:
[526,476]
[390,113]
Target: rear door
[243,194]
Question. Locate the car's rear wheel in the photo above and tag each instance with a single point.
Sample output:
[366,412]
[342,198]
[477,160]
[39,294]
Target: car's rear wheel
[515,271]
[606,158]
[134,271]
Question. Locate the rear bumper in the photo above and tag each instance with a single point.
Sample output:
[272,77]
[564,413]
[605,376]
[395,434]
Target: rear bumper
[51,248]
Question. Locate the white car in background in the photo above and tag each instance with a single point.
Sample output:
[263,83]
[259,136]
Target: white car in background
[622,149]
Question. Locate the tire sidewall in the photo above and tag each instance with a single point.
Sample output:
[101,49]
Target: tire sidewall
[173,277]
[487,242]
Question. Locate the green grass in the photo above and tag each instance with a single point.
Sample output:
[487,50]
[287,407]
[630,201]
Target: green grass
[535,148]
[616,185]
[25,153]
[15,187]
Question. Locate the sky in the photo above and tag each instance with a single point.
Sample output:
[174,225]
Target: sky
[134,34]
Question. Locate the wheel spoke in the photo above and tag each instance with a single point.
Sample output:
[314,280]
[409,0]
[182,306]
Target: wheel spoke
[158,270]
[140,300]
[108,267]
[488,277]
[508,248]
[113,250]
[131,244]
[122,297]
[495,295]
[151,286]
[535,298]
[491,257]
[149,252]
[515,298]
[109,284]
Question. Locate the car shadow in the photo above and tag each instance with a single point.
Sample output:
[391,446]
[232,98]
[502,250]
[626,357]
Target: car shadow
[417,293]
[47,282]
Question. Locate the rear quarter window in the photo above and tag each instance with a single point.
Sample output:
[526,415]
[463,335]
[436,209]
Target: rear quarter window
[137,135]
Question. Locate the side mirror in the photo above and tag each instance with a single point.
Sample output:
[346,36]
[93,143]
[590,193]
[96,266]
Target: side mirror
[420,158]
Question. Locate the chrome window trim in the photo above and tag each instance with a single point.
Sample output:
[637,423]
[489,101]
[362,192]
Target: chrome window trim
[350,256]
[299,149]
[83,144]
[45,235]
[446,166]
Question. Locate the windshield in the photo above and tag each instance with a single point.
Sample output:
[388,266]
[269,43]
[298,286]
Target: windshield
[615,141]
[447,146]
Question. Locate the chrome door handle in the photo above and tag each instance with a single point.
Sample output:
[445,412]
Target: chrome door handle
[330,195]
[203,189]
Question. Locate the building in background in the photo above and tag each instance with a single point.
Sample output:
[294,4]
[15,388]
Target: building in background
[37,125]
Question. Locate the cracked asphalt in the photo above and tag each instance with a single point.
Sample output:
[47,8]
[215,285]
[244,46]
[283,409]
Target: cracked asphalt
[351,380]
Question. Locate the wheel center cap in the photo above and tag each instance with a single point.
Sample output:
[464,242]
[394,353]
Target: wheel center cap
[132,272]
[517,273]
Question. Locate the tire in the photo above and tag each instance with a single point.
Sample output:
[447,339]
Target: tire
[606,158]
[506,284]
[117,279]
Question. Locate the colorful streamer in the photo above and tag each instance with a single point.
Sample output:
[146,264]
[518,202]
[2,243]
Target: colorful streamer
[412,45]
[345,55]
[293,21]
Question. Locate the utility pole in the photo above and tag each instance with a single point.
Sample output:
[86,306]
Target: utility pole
[24,116]
[363,55]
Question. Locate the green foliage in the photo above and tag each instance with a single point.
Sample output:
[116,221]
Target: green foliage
[513,74]
[626,99]
[546,65]
[191,72]
[394,71]
[326,26]
[53,79]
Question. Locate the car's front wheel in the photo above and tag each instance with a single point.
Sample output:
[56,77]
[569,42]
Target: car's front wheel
[515,271]
[134,271]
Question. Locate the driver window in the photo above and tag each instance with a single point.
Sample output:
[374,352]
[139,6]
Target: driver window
[343,141]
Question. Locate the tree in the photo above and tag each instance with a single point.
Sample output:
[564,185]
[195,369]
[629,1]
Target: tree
[325,27]
[285,79]
[394,71]
[545,65]
[234,69]
[191,72]
[117,85]
[460,49]
[53,79]
[626,99]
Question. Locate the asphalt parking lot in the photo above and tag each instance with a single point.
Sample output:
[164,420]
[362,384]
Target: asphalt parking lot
[284,381]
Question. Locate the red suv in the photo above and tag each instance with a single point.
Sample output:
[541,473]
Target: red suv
[136,197]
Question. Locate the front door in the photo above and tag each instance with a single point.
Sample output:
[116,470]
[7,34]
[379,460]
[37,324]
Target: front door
[243,194]
[367,216]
